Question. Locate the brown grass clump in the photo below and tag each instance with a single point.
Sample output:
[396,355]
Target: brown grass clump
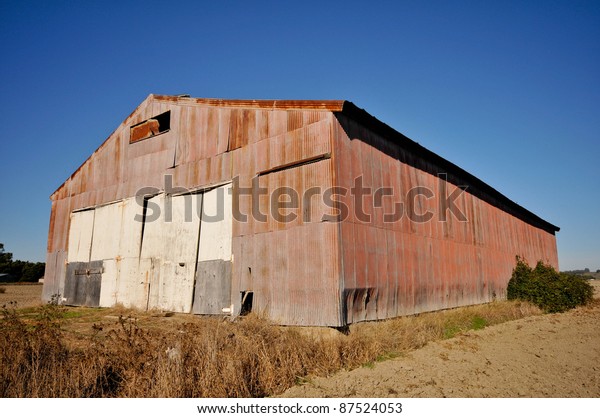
[56,352]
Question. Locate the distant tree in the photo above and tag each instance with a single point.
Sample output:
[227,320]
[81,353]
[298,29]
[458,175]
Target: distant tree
[23,271]
[586,270]
[5,258]
[32,272]
[598,271]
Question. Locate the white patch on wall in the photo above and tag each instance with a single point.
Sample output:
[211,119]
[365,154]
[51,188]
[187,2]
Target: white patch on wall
[215,231]
[80,236]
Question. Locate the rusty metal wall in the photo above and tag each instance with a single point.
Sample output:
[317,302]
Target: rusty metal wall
[405,267]
[290,266]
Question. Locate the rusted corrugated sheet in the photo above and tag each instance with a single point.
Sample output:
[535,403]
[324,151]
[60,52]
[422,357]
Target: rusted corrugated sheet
[304,289]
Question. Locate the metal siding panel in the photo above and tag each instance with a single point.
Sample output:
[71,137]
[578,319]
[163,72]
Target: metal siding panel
[359,312]
[347,245]
[82,283]
[185,149]
[245,262]
[107,225]
[262,124]
[108,287]
[237,264]
[132,283]
[210,137]
[213,287]
[372,273]
[276,151]
[224,117]
[80,236]
[383,279]
[278,279]
[171,248]
[215,236]
[130,232]
[61,225]
[54,275]
[277,122]
[260,285]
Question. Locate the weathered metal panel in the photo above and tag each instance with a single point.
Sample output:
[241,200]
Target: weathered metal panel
[213,287]
[82,283]
[107,225]
[198,136]
[215,236]
[109,294]
[60,225]
[54,276]
[302,289]
[80,236]
[242,128]
[116,240]
[169,251]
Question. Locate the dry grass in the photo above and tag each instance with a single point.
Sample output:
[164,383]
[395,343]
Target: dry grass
[54,351]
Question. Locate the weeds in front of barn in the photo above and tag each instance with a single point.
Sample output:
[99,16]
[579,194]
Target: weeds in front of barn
[55,351]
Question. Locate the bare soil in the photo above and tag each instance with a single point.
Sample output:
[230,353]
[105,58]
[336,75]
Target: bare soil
[555,355]
[26,295]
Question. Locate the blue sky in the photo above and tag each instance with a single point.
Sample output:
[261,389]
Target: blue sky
[510,91]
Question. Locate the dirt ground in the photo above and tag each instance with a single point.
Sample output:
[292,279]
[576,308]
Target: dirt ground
[555,355]
[26,295]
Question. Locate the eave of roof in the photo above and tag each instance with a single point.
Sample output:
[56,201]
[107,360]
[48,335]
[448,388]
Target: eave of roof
[327,105]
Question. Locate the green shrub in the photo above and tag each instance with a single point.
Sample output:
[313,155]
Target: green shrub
[550,290]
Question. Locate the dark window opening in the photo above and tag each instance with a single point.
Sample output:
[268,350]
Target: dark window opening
[246,302]
[154,126]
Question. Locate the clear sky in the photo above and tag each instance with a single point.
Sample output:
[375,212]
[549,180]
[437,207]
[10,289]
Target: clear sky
[510,91]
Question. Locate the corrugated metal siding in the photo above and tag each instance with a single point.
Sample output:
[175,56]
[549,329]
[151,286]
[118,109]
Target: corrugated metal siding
[407,267]
[302,289]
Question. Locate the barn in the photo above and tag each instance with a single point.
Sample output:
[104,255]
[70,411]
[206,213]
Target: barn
[311,212]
